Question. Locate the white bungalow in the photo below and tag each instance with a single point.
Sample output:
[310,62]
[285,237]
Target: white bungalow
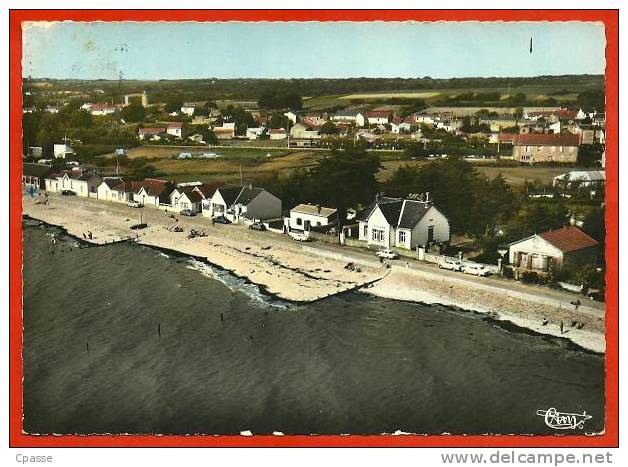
[403,223]
[242,203]
[113,189]
[305,216]
[82,184]
[152,192]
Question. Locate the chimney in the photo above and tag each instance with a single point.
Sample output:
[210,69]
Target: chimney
[427,196]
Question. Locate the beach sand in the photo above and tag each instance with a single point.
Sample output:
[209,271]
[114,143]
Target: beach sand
[296,272]
[524,310]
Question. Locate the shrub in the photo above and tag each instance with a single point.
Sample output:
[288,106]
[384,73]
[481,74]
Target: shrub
[531,277]
[508,272]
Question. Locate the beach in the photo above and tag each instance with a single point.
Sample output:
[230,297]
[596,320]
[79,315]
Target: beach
[296,272]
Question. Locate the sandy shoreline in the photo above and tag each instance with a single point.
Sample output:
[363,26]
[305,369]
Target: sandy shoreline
[292,272]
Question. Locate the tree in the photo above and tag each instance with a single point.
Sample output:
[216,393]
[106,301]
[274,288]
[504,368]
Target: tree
[173,104]
[134,113]
[328,128]
[592,99]
[81,119]
[345,179]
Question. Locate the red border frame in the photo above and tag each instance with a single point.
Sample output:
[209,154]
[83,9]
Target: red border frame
[609,439]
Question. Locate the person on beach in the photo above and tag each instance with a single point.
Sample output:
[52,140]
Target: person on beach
[545,321]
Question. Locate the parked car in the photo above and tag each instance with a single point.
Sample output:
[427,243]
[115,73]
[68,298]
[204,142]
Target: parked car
[475,269]
[595,294]
[68,193]
[257,226]
[452,264]
[134,204]
[387,253]
[221,220]
[299,236]
[187,212]
[184,155]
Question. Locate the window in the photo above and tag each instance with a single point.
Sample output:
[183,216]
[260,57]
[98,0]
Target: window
[377,235]
[299,221]
[366,231]
[402,236]
[561,149]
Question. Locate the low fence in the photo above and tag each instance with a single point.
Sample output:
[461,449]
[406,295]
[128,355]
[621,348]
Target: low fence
[322,237]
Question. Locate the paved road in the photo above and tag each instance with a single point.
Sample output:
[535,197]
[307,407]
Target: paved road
[357,255]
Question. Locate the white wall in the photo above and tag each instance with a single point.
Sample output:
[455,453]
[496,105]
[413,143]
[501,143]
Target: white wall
[433,217]
[378,221]
[536,245]
[312,218]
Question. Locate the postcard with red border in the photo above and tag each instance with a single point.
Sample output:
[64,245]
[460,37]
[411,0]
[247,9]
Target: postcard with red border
[314,228]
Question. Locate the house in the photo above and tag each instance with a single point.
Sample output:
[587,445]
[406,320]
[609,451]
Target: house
[80,182]
[61,151]
[553,250]
[240,203]
[304,131]
[292,116]
[403,223]
[151,133]
[315,119]
[186,197]
[347,116]
[535,148]
[255,132]
[102,109]
[188,109]
[114,189]
[378,117]
[175,129]
[226,131]
[582,178]
[277,133]
[152,192]
[305,216]
[35,174]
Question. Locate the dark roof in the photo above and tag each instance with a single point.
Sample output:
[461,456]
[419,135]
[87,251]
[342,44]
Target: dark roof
[391,211]
[113,182]
[248,194]
[364,215]
[230,194]
[36,170]
[568,239]
[412,213]
[86,177]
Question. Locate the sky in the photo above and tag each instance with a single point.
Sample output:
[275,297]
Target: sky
[309,50]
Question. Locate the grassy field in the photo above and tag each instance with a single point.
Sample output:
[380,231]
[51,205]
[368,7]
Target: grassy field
[532,92]
[256,162]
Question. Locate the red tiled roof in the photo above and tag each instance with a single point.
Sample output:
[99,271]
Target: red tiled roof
[546,139]
[378,114]
[220,129]
[568,239]
[277,131]
[507,137]
[175,125]
[153,131]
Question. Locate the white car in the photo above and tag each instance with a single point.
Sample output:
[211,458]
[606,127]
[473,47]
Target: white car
[299,236]
[475,269]
[387,254]
[134,204]
[452,264]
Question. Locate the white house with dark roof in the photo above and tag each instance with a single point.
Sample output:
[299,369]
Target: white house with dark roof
[403,223]
[305,216]
[241,203]
[113,189]
[81,183]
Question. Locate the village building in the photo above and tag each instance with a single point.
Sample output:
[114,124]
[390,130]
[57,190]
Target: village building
[175,129]
[305,216]
[255,132]
[377,117]
[580,178]
[188,109]
[152,192]
[553,250]
[242,203]
[81,183]
[113,189]
[403,223]
[151,133]
[304,131]
[35,174]
[347,116]
[277,133]
[100,110]
[61,151]
[539,148]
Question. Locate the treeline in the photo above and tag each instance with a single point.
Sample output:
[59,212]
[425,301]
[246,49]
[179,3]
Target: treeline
[200,89]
